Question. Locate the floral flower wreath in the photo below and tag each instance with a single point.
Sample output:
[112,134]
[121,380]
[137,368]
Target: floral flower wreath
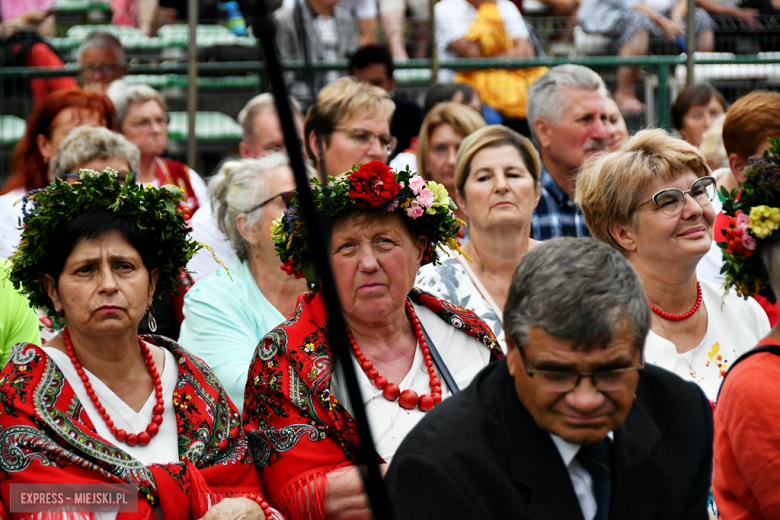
[755,216]
[155,210]
[370,186]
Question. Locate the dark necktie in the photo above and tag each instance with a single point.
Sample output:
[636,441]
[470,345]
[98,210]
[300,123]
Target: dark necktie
[596,458]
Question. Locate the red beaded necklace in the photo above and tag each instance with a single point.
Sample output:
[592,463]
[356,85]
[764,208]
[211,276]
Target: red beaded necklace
[131,439]
[678,317]
[407,399]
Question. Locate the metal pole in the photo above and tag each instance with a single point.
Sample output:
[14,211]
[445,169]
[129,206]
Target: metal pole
[192,83]
[434,51]
[690,41]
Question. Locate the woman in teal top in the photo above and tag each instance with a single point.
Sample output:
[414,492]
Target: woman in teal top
[225,315]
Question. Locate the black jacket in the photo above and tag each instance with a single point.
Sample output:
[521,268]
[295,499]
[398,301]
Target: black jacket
[481,455]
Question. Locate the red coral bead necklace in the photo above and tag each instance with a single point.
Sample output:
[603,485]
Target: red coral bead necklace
[678,317]
[130,439]
[407,399]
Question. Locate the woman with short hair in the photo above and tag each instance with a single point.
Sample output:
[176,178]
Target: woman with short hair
[142,117]
[94,148]
[497,188]
[695,109]
[652,200]
[237,306]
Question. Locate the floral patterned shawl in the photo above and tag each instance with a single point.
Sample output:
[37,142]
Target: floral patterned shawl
[47,436]
[298,431]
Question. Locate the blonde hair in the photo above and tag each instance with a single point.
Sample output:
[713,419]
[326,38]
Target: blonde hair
[462,119]
[489,137]
[345,99]
[611,184]
[712,145]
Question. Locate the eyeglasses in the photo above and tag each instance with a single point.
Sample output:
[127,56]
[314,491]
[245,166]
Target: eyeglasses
[563,382]
[146,124]
[672,200]
[105,70]
[120,175]
[286,196]
[365,138]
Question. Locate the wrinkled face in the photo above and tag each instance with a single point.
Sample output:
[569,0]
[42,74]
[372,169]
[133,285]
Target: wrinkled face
[99,164]
[375,74]
[375,261]
[499,189]
[104,287]
[698,119]
[584,415]
[441,154]
[615,124]
[660,237]
[579,133]
[61,126]
[146,126]
[99,67]
[266,136]
[343,150]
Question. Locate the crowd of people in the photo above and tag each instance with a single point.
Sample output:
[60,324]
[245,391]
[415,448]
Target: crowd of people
[541,314]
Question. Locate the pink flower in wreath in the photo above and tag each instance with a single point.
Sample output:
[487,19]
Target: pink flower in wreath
[748,242]
[415,212]
[425,198]
[743,221]
[416,183]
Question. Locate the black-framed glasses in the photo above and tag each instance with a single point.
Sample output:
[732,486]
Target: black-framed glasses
[286,196]
[563,382]
[672,200]
[146,124]
[365,138]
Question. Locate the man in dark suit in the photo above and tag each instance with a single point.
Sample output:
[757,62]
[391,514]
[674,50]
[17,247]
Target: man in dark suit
[571,425]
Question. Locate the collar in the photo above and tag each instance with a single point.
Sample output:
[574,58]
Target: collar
[549,184]
[568,450]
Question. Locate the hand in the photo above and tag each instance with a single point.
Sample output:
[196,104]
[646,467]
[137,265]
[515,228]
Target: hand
[235,509]
[670,28]
[748,16]
[34,16]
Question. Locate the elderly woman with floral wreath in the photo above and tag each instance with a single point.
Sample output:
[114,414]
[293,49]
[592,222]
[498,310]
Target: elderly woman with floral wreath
[747,420]
[410,349]
[100,404]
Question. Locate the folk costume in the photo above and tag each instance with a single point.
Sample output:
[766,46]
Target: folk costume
[296,412]
[179,174]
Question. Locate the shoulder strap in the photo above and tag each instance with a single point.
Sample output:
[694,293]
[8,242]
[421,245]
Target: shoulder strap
[439,362]
[772,349]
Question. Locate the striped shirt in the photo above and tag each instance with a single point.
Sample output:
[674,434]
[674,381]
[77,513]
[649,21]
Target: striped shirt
[556,215]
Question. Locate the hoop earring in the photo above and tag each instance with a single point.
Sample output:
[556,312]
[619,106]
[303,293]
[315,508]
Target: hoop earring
[152,321]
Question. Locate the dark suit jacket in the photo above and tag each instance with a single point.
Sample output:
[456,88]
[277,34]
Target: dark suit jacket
[481,455]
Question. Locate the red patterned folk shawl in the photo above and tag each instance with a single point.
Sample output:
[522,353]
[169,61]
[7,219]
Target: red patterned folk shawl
[298,431]
[173,172]
[46,436]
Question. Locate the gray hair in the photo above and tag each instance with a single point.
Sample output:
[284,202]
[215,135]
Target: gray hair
[87,143]
[545,97]
[258,104]
[124,96]
[576,289]
[102,40]
[238,186]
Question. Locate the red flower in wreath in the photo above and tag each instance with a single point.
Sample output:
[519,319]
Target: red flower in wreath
[374,185]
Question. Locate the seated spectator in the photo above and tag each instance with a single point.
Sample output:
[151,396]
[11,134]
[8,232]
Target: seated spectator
[353,127]
[617,131]
[652,201]
[747,452]
[567,112]
[455,92]
[94,148]
[631,24]
[23,25]
[364,10]
[18,320]
[101,61]
[394,19]
[58,114]
[374,64]
[443,129]
[262,136]
[574,424]
[141,116]
[331,35]
[497,188]
[476,28]
[239,308]
[694,110]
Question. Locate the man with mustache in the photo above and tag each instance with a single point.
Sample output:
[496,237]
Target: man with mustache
[567,115]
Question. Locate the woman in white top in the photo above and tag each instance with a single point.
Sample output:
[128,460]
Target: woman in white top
[497,187]
[652,200]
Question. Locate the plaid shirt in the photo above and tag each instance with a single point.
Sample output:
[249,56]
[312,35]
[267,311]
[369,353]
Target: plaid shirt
[556,215]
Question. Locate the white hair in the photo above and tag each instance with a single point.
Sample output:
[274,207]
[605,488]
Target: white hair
[87,143]
[123,95]
[102,40]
